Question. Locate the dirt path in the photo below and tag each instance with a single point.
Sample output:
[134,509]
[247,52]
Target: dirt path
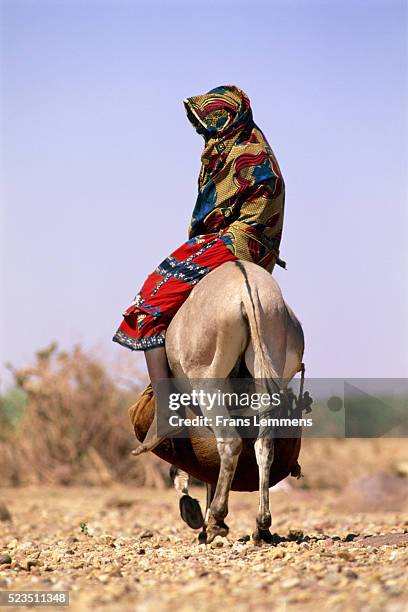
[139,555]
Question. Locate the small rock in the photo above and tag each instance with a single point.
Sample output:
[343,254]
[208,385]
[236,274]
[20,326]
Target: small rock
[290,583]
[104,578]
[5,559]
[277,553]
[146,534]
[78,565]
[344,554]
[351,574]
[109,540]
[25,546]
[114,571]
[72,539]
[31,563]
[292,546]
[332,577]
[5,514]
[295,534]
[244,538]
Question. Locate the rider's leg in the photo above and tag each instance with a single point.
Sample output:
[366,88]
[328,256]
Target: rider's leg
[157,365]
[159,373]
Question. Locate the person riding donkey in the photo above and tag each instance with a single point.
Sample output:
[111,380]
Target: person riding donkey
[238,215]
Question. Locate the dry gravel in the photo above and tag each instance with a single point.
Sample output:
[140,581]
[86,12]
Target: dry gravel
[137,554]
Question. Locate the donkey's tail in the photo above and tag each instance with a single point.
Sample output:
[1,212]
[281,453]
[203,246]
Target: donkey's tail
[263,367]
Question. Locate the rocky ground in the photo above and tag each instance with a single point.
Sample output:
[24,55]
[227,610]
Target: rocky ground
[120,548]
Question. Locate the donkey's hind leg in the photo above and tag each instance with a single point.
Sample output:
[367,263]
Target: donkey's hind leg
[229,445]
[264,450]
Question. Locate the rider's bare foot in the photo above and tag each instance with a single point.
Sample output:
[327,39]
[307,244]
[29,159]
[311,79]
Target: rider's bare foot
[148,446]
[153,440]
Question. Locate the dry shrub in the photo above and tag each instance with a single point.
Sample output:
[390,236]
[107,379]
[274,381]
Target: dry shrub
[75,427]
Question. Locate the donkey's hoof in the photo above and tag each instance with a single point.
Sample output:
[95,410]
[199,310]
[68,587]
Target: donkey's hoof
[190,511]
[262,535]
[216,528]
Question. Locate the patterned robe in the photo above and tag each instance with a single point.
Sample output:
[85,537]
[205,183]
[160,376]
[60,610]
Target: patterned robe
[238,214]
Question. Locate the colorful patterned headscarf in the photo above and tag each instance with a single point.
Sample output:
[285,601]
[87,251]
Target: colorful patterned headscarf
[220,112]
[240,184]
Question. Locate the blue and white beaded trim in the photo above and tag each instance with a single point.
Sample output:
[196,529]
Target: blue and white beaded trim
[140,344]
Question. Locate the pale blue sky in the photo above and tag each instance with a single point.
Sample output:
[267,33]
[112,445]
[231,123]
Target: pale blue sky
[100,163]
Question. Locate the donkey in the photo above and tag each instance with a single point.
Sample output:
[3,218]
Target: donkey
[235,314]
